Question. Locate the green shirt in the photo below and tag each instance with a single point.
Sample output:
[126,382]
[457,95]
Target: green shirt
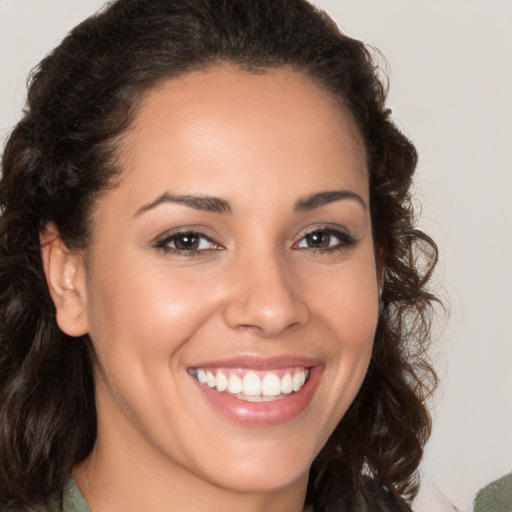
[495,497]
[75,502]
[73,499]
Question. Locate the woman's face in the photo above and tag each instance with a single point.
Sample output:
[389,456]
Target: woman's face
[230,289]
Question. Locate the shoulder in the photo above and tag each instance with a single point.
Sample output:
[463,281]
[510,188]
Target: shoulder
[495,496]
[72,501]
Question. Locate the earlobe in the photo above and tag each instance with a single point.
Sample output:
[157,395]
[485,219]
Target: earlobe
[65,278]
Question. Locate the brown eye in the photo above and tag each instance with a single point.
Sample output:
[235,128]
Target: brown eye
[187,242]
[325,240]
[318,240]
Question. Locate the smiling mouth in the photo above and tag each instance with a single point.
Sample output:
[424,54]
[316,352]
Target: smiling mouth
[253,386]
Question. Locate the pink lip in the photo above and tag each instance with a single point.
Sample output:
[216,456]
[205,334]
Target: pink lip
[261,414]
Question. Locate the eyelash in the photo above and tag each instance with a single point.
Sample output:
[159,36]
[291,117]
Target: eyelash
[345,241]
[164,243]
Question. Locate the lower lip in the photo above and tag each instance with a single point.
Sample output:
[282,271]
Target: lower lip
[261,414]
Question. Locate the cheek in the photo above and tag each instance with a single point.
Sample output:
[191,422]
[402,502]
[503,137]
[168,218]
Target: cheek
[348,310]
[150,312]
[356,320]
[346,298]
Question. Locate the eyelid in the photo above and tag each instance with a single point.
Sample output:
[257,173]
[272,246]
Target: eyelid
[163,241]
[346,239]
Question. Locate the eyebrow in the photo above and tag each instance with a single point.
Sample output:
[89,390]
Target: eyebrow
[198,202]
[321,198]
[217,205]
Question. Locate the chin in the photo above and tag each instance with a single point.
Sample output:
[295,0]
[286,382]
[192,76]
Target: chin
[264,469]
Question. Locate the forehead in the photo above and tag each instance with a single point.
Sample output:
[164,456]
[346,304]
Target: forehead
[238,126]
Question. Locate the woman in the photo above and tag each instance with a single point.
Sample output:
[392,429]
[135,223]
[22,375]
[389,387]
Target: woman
[210,295]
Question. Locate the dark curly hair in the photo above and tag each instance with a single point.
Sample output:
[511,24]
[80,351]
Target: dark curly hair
[62,154]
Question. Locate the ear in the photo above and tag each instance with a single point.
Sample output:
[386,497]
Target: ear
[65,276]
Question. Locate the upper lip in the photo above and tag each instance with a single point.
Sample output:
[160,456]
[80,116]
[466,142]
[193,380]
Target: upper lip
[260,363]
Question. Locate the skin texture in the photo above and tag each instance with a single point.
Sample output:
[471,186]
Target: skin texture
[262,142]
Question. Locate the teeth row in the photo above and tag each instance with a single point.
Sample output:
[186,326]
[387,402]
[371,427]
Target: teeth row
[251,385]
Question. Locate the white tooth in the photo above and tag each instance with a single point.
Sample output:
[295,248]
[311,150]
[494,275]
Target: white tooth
[271,385]
[222,382]
[252,385]
[302,377]
[296,385]
[235,384]
[210,379]
[286,384]
[201,376]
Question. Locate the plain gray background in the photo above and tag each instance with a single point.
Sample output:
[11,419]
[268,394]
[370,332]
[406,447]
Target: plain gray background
[450,67]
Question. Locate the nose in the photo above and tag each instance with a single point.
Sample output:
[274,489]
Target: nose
[264,297]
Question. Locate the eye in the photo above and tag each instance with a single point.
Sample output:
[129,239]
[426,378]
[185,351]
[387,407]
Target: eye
[325,239]
[187,241]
